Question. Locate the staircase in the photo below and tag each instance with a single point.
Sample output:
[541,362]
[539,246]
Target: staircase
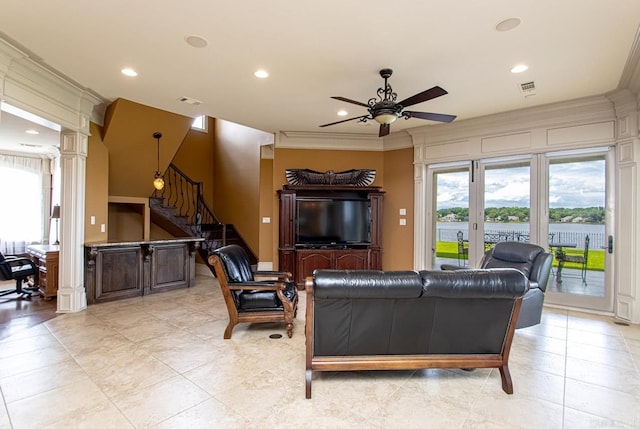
[180,209]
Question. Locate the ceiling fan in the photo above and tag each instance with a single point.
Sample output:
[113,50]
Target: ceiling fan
[385,110]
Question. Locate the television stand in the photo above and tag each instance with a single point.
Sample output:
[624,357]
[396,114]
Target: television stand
[302,259]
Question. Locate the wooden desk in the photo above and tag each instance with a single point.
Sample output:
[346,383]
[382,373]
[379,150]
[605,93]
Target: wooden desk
[46,257]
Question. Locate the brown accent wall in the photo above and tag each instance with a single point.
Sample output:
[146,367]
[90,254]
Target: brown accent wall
[128,135]
[266,210]
[96,186]
[195,158]
[397,241]
[236,169]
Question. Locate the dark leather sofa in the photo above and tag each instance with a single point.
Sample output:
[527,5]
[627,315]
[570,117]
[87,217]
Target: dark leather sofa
[377,320]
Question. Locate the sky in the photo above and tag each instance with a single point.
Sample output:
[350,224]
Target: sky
[571,185]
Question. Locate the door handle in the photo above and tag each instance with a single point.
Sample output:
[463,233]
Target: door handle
[609,246]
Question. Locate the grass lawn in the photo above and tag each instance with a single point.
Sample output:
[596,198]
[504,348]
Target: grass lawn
[595,262]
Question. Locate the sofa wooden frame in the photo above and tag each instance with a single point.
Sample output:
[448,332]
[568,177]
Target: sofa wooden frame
[406,362]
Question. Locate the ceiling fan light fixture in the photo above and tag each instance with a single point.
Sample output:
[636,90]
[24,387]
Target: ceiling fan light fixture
[386,118]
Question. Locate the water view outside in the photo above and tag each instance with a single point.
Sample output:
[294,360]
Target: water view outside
[559,232]
[576,198]
[576,204]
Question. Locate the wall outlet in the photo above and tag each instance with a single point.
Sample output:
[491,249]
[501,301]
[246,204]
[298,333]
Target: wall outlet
[93,220]
[403,221]
[403,212]
[266,220]
[103,228]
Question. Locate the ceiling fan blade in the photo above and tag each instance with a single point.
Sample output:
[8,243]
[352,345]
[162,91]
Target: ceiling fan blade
[344,120]
[346,100]
[384,130]
[439,117]
[429,94]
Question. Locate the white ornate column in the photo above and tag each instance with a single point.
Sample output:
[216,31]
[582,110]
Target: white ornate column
[73,156]
[627,224]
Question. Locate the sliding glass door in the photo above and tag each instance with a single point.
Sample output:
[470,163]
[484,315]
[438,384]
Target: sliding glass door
[507,203]
[580,229]
[450,226]
[560,201]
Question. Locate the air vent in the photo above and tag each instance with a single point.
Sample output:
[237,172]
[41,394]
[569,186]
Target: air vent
[190,100]
[528,86]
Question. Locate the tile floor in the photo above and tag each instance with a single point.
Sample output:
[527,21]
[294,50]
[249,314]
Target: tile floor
[160,361]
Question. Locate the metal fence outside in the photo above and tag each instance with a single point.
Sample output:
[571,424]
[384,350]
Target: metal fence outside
[596,239]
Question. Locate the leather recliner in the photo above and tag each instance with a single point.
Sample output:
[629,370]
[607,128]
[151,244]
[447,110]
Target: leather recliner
[534,262]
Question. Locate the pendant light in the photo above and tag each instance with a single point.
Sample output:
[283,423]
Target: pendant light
[158,181]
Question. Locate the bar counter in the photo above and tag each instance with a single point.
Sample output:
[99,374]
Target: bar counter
[118,270]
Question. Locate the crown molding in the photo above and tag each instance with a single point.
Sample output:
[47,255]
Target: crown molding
[630,77]
[572,112]
[33,86]
[398,140]
[328,141]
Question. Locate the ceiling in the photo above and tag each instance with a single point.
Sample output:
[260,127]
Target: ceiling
[314,50]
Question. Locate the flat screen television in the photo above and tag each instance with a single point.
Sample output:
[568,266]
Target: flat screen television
[332,222]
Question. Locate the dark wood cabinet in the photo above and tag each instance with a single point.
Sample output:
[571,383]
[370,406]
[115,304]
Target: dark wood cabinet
[123,270]
[302,260]
[340,259]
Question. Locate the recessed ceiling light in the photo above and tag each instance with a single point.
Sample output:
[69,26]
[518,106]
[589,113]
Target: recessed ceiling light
[342,113]
[32,131]
[196,41]
[519,68]
[262,74]
[129,72]
[508,24]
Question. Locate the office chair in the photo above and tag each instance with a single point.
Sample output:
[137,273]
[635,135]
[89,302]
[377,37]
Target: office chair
[18,269]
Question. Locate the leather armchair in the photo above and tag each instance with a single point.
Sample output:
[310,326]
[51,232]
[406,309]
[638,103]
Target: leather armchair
[534,262]
[248,299]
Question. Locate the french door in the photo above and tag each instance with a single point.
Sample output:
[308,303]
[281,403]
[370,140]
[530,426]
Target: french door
[580,219]
[561,201]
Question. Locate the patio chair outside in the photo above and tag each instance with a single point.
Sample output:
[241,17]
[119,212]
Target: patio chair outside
[582,260]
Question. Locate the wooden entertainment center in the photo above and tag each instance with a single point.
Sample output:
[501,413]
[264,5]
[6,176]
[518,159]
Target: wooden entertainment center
[302,259]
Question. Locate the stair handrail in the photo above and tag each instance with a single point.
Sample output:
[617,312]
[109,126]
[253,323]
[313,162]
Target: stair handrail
[186,196]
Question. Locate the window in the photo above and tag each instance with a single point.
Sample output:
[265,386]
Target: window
[21,219]
[200,123]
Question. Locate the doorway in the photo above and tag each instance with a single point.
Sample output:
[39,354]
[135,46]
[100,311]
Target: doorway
[580,213]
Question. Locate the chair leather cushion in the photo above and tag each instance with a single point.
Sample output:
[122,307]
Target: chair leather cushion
[264,300]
